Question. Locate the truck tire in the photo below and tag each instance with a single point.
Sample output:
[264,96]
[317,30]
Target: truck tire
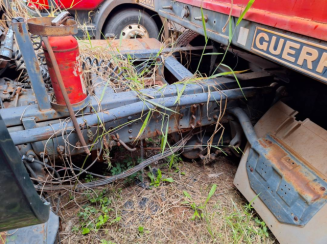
[130,24]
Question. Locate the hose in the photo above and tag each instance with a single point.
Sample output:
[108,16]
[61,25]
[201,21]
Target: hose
[247,126]
[33,174]
[33,160]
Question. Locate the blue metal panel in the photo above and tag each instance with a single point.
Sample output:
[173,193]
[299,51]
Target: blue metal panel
[290,204]
[288,187]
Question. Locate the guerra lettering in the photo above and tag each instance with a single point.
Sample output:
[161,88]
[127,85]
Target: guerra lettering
[292,51]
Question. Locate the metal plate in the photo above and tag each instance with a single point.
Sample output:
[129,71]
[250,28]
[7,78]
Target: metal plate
[294,135]
[42,26]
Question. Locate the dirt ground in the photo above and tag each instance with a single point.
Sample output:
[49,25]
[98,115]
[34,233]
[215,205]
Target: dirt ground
[125,212]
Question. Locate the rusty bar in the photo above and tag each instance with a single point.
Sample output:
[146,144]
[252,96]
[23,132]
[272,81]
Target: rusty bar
[65,95]
[42,26]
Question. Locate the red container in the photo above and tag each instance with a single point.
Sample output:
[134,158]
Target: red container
[66,52]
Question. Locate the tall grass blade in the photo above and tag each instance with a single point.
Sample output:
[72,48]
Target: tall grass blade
[248,6]
[230,31]
[211,193]
[238,83]
[164,139]
[144,125]
[204,25]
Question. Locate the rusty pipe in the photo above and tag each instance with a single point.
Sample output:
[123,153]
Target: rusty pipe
[65,95]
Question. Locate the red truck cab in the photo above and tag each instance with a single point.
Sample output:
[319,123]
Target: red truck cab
[65,4]
[125,19]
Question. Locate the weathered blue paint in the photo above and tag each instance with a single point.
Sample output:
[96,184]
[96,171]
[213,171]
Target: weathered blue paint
[43,133]
[32,65]
[12,116]
[286,198]
[177,69]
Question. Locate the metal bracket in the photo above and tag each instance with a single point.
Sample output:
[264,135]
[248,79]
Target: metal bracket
[32,64]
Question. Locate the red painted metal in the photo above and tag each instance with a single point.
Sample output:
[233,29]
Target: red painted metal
[38,4]
[67,55]
[299,16]
[66,4]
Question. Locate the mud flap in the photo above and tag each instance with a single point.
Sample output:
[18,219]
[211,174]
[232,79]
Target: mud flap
[285,172]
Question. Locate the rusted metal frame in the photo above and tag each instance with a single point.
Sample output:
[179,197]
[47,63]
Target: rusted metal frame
[12,116]
[291,190]
[31,62]
[178,122]
[38,134]
[65,95]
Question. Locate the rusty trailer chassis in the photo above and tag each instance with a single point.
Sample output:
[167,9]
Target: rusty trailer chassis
[41,128]
[107,118]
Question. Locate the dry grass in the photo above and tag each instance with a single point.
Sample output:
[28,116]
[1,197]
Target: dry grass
[158,215]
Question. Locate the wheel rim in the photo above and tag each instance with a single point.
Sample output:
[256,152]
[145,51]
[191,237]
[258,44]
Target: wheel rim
[134,31]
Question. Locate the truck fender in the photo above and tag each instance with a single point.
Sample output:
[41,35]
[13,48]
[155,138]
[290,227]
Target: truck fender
[104,11]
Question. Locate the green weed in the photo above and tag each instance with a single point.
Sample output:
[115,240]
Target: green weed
[245,227]
[92,218]
[173,162]
[158,179]
[199,209]
[120,167]
[141,229]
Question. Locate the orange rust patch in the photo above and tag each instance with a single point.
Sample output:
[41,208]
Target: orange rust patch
[293,174]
